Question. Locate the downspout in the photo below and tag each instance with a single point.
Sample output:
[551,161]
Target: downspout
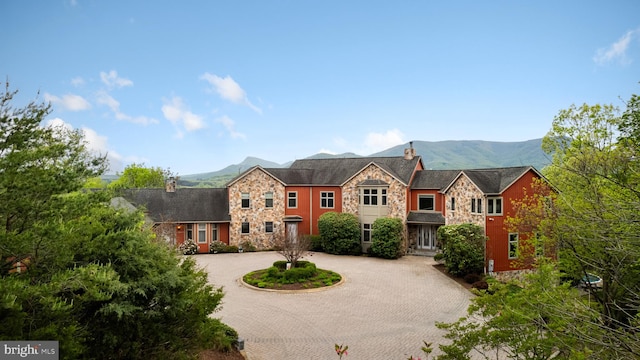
[310,210]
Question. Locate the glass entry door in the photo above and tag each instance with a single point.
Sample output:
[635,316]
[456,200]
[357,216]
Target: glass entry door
[426,237]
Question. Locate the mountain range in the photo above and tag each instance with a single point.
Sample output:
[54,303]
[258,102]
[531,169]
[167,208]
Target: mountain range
[436,155]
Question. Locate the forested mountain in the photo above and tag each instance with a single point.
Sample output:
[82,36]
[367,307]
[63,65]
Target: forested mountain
[436,155]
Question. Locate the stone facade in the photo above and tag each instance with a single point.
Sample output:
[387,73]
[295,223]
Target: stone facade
[257,184]
[463,190]
[396,193]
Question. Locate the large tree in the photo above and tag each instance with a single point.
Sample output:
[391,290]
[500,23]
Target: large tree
[594,223]
[76,270]
[137,176]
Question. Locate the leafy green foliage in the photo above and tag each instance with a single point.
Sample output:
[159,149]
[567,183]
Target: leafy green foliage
[137,176]
[340,233]
[462,248]
[521,321]
[386,238]
[86,270]
[304,273]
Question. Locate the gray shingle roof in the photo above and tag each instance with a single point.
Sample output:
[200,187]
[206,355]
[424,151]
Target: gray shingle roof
[422,217]
[496,180]
[433,179]
[337,171]
[183,205]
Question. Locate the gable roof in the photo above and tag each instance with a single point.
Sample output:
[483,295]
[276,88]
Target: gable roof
[433,179]
[252,169]
[183,205]
[337,171]
[493,181]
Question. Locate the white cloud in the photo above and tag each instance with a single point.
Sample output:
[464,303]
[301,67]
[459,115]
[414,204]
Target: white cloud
[69,102]
[326,151]
[616,51]
[176,112]
[111,79]
[230,90]
[103,98]
[59,123]
[375,142]
[230,125]
[77,81]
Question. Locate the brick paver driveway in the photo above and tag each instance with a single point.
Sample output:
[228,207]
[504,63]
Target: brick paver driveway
[384,309]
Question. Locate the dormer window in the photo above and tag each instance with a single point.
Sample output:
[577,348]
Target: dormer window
[426,202]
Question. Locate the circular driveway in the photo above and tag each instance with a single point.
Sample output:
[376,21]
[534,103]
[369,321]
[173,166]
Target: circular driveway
[383,310]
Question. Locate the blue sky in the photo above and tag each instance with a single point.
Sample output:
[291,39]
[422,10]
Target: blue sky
[195,86]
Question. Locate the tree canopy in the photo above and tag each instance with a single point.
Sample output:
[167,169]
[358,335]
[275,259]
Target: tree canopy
[137,176]
[76,270]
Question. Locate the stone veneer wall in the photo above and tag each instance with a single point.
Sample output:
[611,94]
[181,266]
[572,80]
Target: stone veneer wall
[396,194]
[256,183]
[463,190]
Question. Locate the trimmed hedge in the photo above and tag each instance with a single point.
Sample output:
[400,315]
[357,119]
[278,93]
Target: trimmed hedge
[386,238]
[340,233]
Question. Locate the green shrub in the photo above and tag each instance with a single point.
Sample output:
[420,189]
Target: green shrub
[189,247]
[386,238]
[316,243]
[230,249]
[462,248]
[247,246]
[217,246]
[340,233]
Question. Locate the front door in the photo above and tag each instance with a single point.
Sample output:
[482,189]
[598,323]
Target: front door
[426,237]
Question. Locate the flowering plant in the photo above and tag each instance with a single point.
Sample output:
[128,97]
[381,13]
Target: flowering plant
[340,350]
[189,247]
[217,246]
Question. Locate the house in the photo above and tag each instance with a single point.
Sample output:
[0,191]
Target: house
[264,204]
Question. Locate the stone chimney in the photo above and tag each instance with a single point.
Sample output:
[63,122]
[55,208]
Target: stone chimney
[170,185]
[410,152]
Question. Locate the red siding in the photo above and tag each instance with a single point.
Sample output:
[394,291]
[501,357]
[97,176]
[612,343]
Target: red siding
[317,211]
[498,243]
[438,199]
[303,209]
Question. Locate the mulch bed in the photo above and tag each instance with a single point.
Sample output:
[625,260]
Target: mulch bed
[442,269]
[219,355]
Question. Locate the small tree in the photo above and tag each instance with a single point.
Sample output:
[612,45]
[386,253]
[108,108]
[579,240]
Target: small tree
[340,233]
[386,238]
[462,248]
[138,176]
[293,247]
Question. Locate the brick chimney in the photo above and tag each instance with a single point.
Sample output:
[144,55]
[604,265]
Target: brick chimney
[170,185]
[410,152]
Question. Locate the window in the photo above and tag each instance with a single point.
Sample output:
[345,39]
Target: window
[202,233]
[245,200]
[292,199]
[268,226]
[370,197]
[539,246]
[494,206]
[384,197]
[245,228]
[268,199]
[476,206]
[326,199]
[214,232]
[426,202]
[513,246]
[366,232]
[190,231]
[453,204]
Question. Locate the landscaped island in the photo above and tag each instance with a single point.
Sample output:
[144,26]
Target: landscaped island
[281,276]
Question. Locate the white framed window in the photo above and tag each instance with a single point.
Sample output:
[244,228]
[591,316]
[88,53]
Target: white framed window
[189,231]
[268,226]
[202,233]
[476,206]
[214,232]
[326,199]
[268,199]
[366,232]
[370,197]
[494,206]
[383,197]
[245,200]
[513,245]
[292,199]
[245,228]
[426,202]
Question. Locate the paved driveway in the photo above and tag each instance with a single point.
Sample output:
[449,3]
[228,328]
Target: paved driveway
[384,309]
